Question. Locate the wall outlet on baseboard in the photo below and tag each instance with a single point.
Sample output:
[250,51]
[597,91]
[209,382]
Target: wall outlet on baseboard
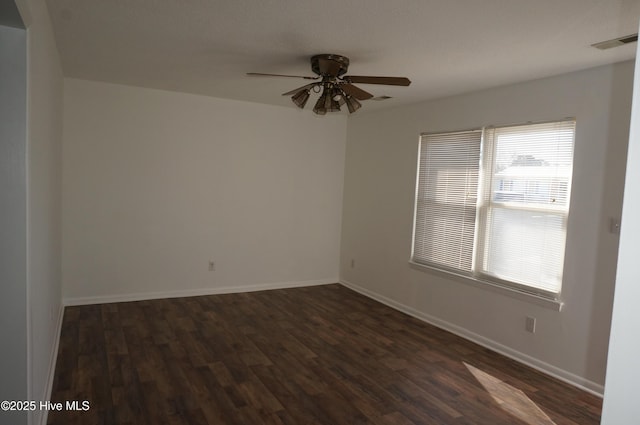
[530,324]
[212,266]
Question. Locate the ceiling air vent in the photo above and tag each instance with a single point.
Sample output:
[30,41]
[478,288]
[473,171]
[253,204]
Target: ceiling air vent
[620,41]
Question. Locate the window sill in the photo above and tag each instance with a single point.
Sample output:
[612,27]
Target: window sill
[552,304]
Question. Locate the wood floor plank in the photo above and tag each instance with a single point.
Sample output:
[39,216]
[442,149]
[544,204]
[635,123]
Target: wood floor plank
[307,356]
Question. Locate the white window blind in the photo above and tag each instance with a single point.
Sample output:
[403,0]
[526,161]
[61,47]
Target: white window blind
[493,204]
[446,199]
[525,205]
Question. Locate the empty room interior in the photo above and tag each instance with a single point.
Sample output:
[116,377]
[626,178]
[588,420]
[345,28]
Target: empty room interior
[286,212]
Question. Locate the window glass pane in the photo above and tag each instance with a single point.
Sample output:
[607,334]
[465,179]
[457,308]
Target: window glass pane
[533,164]
[526,247]
[447,235]
[446,199]
[525,208]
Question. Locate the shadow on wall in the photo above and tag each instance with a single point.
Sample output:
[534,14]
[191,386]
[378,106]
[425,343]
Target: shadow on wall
[611,209]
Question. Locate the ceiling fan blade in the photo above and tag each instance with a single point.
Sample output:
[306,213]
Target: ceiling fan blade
[390,81]
[306,87]
[356,92]
[260,74]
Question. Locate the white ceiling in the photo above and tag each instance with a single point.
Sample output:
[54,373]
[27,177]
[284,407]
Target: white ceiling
[444,46]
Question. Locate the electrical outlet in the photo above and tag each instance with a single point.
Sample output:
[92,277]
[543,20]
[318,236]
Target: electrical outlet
[530,324]
[353,263]
[212,266]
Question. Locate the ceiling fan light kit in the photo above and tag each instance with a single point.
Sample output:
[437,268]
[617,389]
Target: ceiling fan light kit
[336,88]
[300,98]
[352,104]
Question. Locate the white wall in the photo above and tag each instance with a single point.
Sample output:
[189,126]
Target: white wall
[378,212]
[156,183]
[39,222]
[44,134]
[13,223]
[621,405]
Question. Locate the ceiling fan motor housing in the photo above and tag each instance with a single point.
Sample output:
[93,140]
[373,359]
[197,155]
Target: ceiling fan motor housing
[329,65]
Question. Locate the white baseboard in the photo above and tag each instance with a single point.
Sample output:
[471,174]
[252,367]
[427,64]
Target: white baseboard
[52,364]
[104,299]
[561,374]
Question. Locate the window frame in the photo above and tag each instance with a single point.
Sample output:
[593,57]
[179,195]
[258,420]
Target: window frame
[483,205]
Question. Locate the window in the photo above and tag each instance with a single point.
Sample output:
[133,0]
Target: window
[492,204]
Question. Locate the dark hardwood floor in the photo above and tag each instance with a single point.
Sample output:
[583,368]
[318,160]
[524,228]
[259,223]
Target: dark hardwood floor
[318,355]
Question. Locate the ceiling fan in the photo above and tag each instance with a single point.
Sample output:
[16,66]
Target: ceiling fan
[336,88]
